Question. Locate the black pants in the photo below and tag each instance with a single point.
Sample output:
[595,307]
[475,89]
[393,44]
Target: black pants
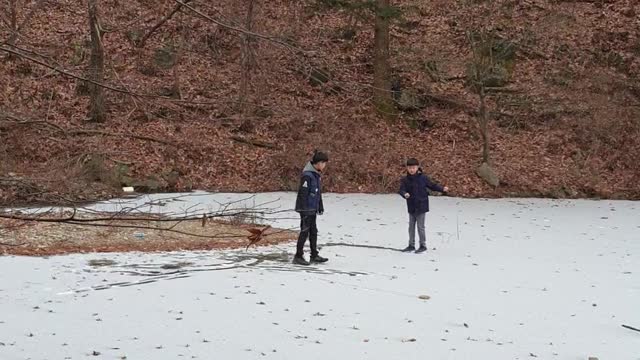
[308,229]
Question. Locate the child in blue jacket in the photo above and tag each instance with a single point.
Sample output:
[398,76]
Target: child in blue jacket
[415,188]
[309,205]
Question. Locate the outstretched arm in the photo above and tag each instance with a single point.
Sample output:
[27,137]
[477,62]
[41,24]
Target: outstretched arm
[434,186]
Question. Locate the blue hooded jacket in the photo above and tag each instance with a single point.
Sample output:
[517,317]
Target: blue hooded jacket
[309,200]
[417,186]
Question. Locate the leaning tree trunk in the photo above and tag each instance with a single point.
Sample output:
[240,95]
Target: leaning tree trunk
[383,101]
[96,67]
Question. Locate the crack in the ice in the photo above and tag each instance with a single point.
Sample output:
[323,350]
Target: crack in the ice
[361,246]
[234,261]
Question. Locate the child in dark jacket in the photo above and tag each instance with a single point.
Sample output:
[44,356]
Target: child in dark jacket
[309,205]
[414,188]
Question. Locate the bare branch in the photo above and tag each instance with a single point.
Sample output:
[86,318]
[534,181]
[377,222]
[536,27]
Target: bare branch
[124,26]
[257,143]
[106,133]
[18,121]
[62,71]
[126,218]
[146,37]
[7,244]
[272,39]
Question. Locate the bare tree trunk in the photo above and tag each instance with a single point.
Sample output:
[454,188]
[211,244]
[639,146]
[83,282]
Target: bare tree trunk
[383,101]
[13,4]
[177,87]
[96,66]
[15,28]
[247,61]
[484,126]
[247,58]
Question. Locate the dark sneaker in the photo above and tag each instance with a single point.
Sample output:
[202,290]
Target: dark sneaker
[421,249]
[299,260]
[409,248]
[318,259]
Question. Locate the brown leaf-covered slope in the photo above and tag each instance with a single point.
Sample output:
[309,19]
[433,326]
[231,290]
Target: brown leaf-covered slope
[567,124]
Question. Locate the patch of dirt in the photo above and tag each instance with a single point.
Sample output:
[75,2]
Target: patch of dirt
[43,239]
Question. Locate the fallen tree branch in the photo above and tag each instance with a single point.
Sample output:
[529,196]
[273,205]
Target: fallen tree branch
[241,30]
[455,77]
[453,104]
[503,90]
[7,244]
[257,143]
[122,219]
[630,327]
[361,246]
[107,30]
[75,131]
[62,71]
[526,50]
[220,214]
[18,121]
[449,103]
[531,52]
[106,133]
[168,229]
[168,17]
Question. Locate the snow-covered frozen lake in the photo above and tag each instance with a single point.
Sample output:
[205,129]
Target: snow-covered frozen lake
[508,279]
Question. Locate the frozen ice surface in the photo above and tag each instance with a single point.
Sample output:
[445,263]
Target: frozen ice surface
[506,279]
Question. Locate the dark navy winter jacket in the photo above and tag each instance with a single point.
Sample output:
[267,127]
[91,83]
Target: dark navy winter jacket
[417,186]
[309,200]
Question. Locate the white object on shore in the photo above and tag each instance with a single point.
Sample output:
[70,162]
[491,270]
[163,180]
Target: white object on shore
[128,189]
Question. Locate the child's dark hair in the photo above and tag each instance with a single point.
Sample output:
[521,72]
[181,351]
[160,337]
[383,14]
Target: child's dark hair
[412,162]
[319,156]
